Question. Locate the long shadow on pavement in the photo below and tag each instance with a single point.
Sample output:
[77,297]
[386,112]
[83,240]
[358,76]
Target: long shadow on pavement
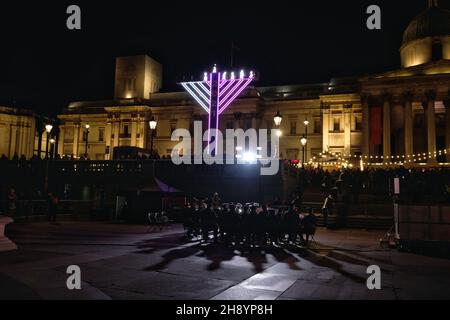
[216,253]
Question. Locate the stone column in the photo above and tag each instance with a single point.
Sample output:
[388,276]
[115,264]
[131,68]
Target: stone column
[108,140]
[26,139]
[30,143]
[62,132]
[237,120]
[365,126]
[325,127]
[23,140]
[430,116]
[447,126]
[347,128]
[386,129]
[19,148]
[134,125]
[408,124]
[145,129]
[12,141]
[39,128]
[76,136]
[254,121]
[116,134]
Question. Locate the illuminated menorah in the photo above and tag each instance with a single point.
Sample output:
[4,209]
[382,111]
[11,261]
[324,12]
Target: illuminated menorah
[215,93]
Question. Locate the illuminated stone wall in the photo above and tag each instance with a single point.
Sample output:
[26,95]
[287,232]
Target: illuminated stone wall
[17,129]
[137,77]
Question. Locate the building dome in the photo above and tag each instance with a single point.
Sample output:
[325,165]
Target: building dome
[426,35]
[435,21]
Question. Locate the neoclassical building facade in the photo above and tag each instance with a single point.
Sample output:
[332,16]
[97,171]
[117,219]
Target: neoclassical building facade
[397,116]
[22,133]
[17,127]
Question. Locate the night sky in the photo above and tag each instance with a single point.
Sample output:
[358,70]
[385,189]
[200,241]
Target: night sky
[44,65]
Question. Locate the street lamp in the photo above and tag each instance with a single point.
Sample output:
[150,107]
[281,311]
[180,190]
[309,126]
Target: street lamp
[48,129]
[277,119]
[152,123]
[87,139]
[303,141]
[52,148]
[306,122]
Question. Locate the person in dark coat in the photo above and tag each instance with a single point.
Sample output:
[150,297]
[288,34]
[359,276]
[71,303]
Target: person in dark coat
[208,222]
[52,203]
[327,208]
[308,226]
[292,222]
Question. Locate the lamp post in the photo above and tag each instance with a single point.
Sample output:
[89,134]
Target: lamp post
[52,148]
[152,123]
[87,141]
[303,141]
[306,122]
[48,129]
[277,120]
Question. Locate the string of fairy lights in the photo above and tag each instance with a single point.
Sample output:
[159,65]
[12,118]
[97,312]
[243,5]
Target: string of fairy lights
[345,160]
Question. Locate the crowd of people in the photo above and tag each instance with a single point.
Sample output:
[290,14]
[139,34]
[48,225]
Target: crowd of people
[10,204]
[417,185]
[250,224]
[17,158]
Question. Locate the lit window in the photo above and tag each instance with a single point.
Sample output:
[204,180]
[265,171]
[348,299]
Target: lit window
[101,134]
[358,124]
[317,125]
[337,124]
[293,129]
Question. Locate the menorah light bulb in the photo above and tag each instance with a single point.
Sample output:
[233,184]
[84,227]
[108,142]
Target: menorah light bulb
[241,74]
[224,76]
[205,77]
[232,75]
[215,68]
[251,74]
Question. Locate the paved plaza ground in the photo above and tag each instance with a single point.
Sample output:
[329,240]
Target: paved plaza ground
[137,262]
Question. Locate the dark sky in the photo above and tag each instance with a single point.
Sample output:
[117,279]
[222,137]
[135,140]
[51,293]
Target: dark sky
[44,66]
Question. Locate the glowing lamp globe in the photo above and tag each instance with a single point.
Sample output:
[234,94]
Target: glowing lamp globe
[152,123]
[278,118]
[303,141]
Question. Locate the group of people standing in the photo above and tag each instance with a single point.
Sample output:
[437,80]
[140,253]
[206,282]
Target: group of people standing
[248,224]
[12,207]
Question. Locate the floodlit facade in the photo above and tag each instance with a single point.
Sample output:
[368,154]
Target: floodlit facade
[396,116]
[22,133]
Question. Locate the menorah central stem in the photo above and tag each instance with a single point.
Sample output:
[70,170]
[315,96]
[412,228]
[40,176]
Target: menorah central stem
[213,121]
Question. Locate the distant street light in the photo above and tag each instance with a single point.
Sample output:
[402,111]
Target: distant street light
[87,139]
[303,141]
[152,123]
[48,129]
[305,137]
[52,148]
